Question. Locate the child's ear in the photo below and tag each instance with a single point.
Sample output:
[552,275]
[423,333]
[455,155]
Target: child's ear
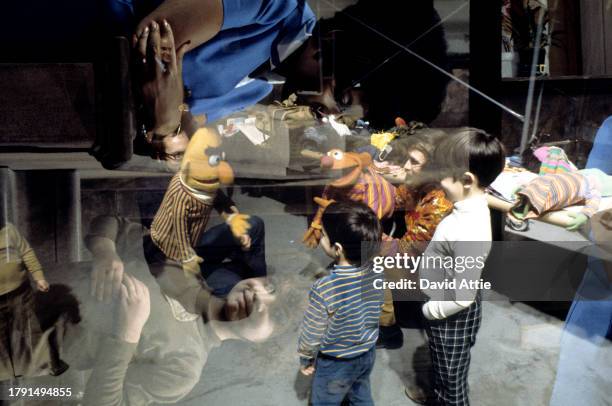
[469,179]
[339,249]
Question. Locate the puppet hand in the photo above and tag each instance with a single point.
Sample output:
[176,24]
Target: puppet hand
[239,224]
[323,203]
[578,220]
[312,236]
[192,267]
[515,191]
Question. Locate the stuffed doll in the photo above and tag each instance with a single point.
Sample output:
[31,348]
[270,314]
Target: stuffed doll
[554,160]
[358,182]
[190,198]
[554,192]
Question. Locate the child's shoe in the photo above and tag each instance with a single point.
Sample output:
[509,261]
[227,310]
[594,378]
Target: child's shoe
[60,368]
[417,395]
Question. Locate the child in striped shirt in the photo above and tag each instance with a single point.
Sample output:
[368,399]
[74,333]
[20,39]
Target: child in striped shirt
[340,326]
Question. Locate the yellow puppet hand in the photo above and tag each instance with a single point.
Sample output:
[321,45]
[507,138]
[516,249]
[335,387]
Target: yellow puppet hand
[323,203]
[192,267]
[239,224]
[313,235]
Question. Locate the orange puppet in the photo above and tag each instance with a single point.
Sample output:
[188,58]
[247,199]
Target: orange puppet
[357,181]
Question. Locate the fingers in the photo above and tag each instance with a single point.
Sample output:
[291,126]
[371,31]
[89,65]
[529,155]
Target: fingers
[117,277]
[231,310]
[94,281]
[141,41]
[249,298]
[123,293]
[154,49]
[167,38]
[100,282]
[245,242]
[130,285]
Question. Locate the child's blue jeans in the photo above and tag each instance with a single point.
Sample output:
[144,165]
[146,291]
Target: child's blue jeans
[336,379]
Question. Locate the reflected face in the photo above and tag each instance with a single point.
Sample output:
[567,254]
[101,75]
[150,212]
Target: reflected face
[414,163]
[175,146]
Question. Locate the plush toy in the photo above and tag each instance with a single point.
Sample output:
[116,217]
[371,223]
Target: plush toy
[554,160]
[553,192]
[358,181]
[189,199]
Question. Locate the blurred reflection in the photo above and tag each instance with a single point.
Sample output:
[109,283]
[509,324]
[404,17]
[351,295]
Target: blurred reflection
[141,345]
[26,349]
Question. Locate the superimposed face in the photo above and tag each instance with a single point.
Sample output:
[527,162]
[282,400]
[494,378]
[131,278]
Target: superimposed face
[414,162]
[203,166]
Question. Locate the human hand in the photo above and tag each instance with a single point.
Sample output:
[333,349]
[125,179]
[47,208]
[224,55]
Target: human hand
[307,370]
[106,277]
[161,75]
[42,285]
[132,309]
[245,242]
[578,220]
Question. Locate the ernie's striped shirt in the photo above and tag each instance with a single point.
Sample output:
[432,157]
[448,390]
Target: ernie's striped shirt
[342,316]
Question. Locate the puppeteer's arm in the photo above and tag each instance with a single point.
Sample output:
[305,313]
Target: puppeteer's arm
[102,235]
[196,21]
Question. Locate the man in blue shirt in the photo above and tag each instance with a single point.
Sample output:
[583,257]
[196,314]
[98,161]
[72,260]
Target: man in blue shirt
[228,44]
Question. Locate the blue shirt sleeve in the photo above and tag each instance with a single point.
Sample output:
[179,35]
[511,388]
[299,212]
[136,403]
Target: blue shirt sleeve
[240,13]
[602,148]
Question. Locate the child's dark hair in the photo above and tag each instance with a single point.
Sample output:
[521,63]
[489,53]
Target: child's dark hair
[354,226]
[470,150]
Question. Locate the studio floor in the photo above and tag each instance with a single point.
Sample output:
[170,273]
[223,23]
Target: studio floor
[514,360]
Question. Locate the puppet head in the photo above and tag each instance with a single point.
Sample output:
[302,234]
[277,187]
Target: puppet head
[349,165]
[203,167]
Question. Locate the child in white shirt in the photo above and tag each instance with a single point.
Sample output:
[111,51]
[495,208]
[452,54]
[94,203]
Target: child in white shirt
[469,161]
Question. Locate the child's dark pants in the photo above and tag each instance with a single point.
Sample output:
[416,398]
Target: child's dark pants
[336,379]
